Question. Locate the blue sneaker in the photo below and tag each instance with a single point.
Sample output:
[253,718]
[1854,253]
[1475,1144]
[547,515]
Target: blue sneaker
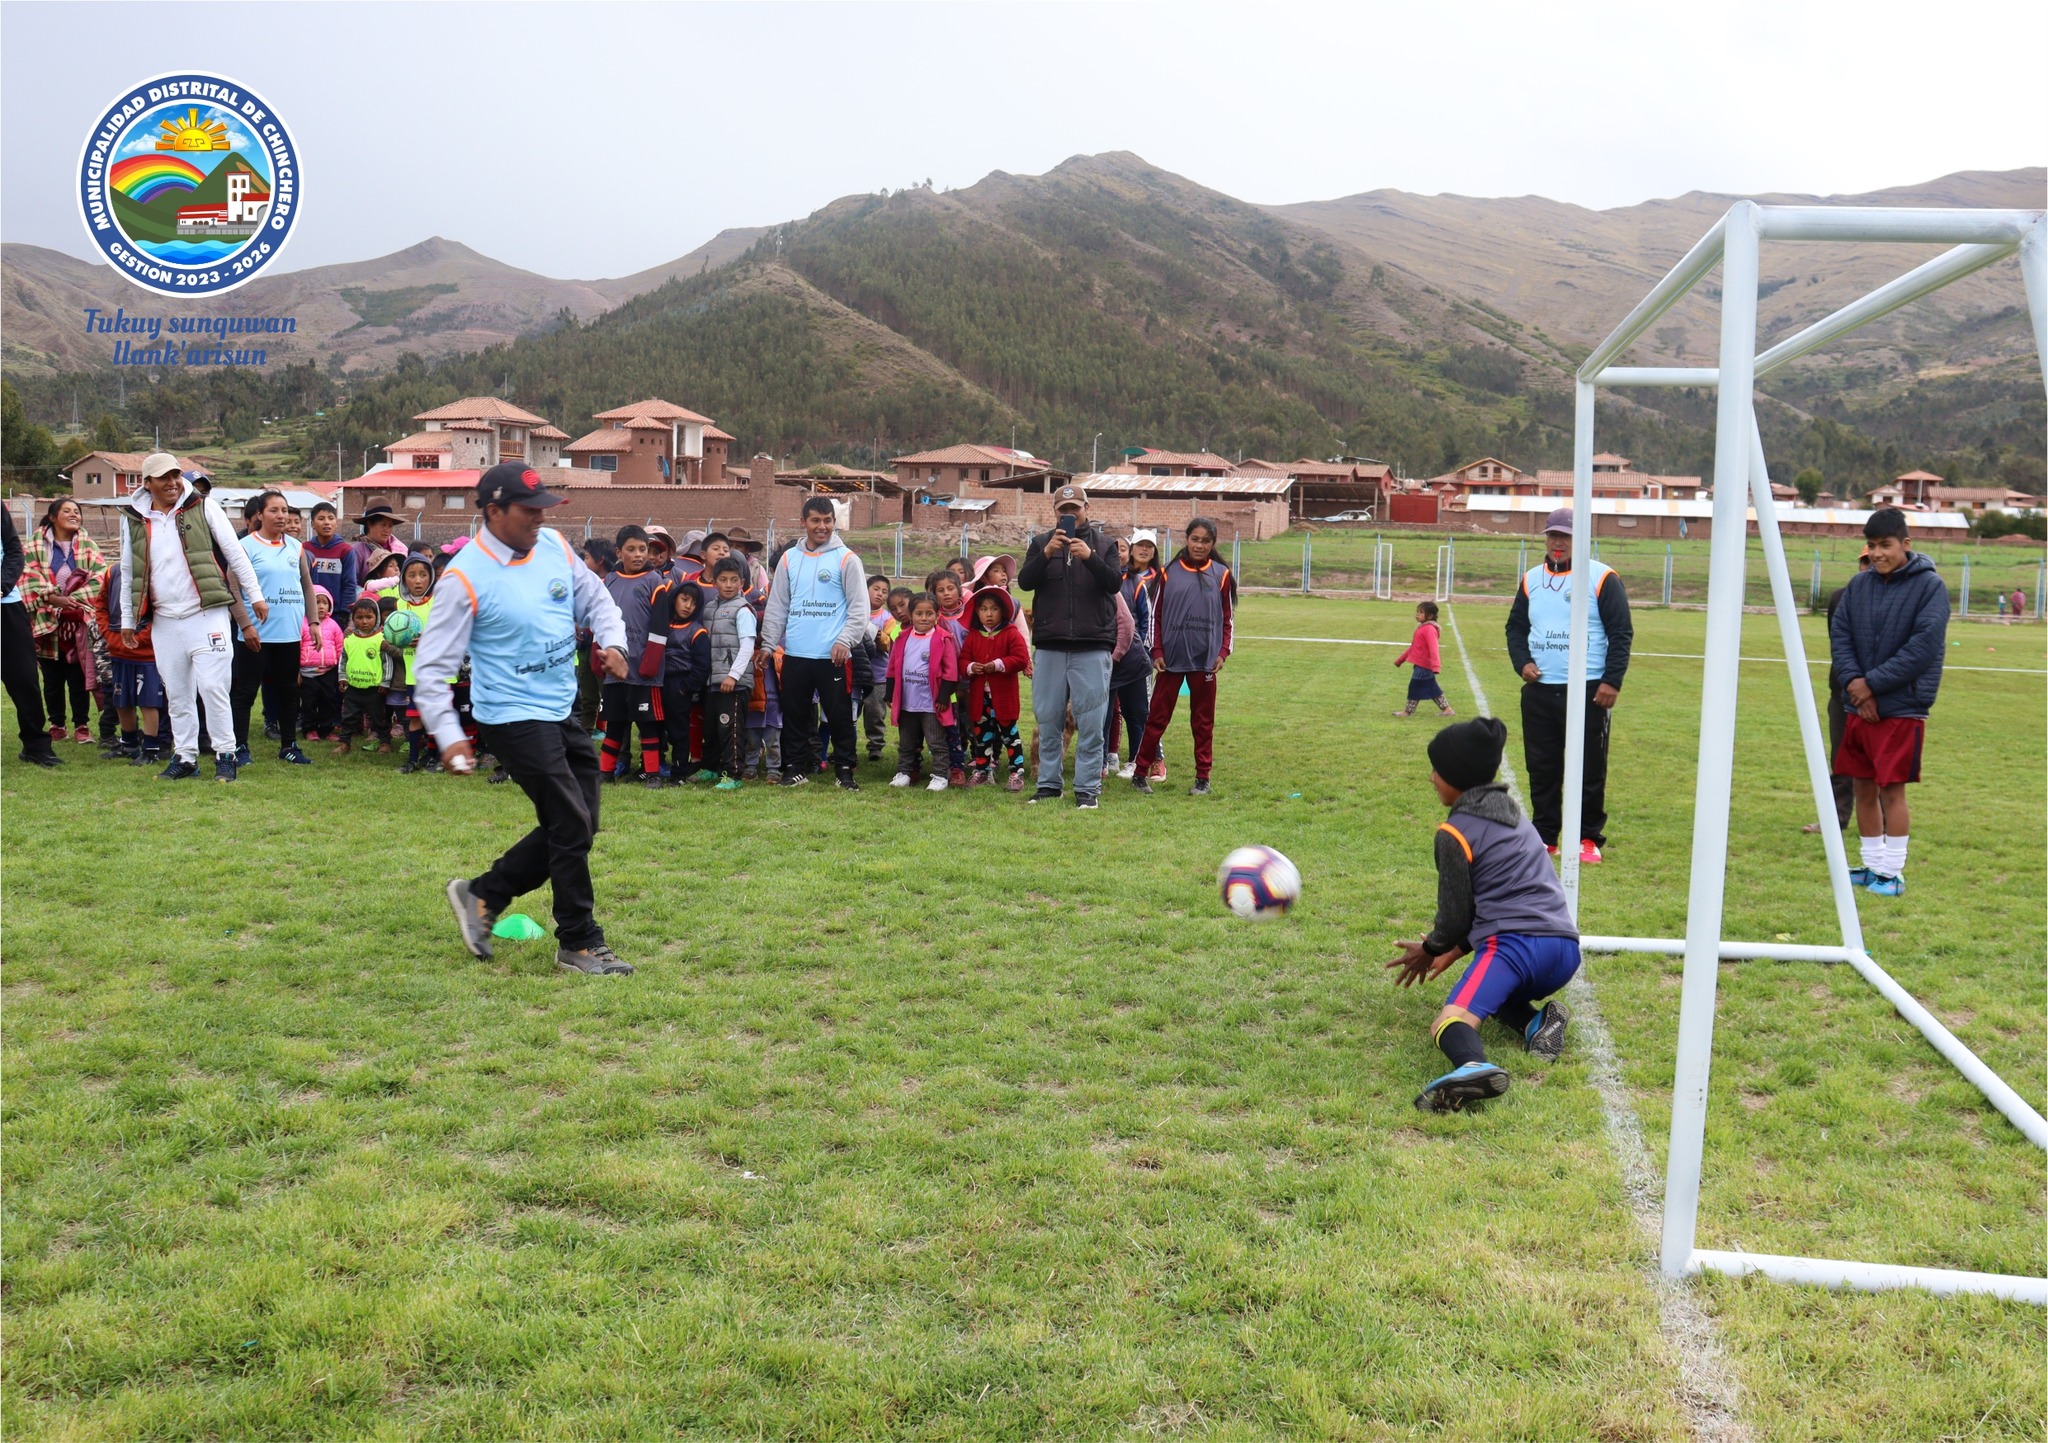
[1861,876]
[1474,1082]
[223,768]
[293,755]
[178,771]
[1883,886]
[241,757]
[1544,1037]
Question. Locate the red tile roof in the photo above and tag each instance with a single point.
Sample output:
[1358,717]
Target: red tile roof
[1920,476]
[485,408]
[1204,459]
[1608,458]
[712,433]
[643,423]
[971,455]
[468,426]
[660,410]
[549,433]
[399,479]
[423,441]
[611,438]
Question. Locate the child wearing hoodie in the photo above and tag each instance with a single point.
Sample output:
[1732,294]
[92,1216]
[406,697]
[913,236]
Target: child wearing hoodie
[637,700]
[924,668]
[947,590]
[319,668]
[1424,650]
[680,659]
[874,710]
[1498,899]
[416,577]
[994,657]
[731,628]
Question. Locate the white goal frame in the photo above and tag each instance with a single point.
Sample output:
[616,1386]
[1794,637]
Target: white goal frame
[1742,484]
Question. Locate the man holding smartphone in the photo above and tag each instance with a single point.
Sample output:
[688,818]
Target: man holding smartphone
[1074,578]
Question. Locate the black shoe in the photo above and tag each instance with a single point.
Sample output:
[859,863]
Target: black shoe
[473,917]
[241,756]
[178,771]
[1140,784]
[499,777]
[596,961]
[431,764]
[270,730]
[1545,1038]
[145,759]
[1200,788]
[795,779]
[223,769]
[120,751]
[44,758]
[1084,801]
[1043,794]
[407,767]
[847,783]
[293,755]
[652,781]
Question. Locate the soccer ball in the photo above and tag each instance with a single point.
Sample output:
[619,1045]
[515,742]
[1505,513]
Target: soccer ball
[1257,882]
[402,629]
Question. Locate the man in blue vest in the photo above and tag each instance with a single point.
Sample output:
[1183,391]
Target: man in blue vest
[1539,645]
[817,614]
[512,601]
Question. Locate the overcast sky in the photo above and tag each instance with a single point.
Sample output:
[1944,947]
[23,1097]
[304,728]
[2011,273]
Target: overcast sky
[594,140]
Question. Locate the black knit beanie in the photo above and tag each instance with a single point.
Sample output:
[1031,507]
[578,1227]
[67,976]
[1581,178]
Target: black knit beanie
[1467,754]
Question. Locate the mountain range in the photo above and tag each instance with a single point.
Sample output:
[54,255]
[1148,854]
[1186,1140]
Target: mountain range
[1108,292]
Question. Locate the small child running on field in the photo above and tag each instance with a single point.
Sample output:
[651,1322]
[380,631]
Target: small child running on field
[1497,897]
[1424,651]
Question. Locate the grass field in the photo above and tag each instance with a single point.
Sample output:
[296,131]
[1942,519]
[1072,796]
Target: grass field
[943,1117]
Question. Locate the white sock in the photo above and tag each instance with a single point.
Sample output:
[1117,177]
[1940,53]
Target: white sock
[1873,853]
[1895,856]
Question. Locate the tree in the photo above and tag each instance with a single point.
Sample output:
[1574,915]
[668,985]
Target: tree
[108,434]
[1808,484]
[22,442]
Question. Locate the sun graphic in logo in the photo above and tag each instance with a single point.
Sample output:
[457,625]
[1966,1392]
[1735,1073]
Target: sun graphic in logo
[189,134]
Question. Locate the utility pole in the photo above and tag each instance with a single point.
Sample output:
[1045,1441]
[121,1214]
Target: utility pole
[1092,445]
[338,476]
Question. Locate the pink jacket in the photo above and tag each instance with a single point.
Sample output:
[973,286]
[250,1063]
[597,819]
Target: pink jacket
[1423,650]
[322,653]
[945,673]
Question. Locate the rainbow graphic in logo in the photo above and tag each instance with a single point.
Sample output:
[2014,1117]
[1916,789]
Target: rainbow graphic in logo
[143,178]
[189,184]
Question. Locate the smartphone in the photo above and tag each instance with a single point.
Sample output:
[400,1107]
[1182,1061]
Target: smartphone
[1069,523]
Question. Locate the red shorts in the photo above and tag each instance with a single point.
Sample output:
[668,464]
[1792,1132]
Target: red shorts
[1885,751]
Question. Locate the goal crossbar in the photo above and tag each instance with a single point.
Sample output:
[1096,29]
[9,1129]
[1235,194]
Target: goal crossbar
[1741,490]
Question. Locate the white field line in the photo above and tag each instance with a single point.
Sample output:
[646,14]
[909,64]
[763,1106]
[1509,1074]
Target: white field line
[1707,1389]
[1666,655]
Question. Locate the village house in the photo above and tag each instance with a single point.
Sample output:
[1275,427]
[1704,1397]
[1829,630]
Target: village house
[1151,462]
[1976,500]
[950,468]
[111,475]
[476,433]
[1616,477]
[653,443]
[1488,476]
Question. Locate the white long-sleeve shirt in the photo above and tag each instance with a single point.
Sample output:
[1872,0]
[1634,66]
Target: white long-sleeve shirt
[446,640]
[173,593]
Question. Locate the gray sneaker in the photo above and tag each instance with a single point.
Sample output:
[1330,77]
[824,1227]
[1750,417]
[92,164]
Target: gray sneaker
[598,961]
[475,919]
[1545,1036]
[1084,801]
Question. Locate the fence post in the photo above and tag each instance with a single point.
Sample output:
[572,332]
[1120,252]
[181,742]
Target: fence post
[1235,569]
[1522,560]
[1451,568]
[1667,573]
[1307,543]
[1813,591]
[899,551]
[2040,579]
[963,540]
[586,528]
[1966,583]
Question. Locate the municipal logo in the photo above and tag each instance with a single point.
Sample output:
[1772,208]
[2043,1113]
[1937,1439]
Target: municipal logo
[189,184]
[558,589]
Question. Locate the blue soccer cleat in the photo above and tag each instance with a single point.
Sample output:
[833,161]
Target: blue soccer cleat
[1474,1082]
[1861,876]
[1544,1036]
[1883,886]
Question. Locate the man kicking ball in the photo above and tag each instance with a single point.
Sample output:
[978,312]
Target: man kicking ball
[1497,897]
[512,601]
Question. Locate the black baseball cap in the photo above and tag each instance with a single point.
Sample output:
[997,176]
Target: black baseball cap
[510,483]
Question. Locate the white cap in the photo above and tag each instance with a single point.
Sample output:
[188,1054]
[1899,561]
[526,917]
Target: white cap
[1143,535]
[156,463]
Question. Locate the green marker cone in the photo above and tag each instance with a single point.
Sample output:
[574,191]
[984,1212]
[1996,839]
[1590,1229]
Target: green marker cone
[518,927]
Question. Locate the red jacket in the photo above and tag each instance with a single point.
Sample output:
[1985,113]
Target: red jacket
[945,673]
[1423,650]
[1005,650]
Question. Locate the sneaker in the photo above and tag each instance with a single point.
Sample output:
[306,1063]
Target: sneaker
[223,769]
[703,774]
[957,776]
[1544,1036]
[58,734]
[978,777]
[1127,770]
[241,756]
[270,731]
[1883,886]
[1015,783]
[1084,801]
[499,777]
[473,918]
[937,783]
[1043,794]
[121,751]
[1110,766]
[293,755]
[1474,1082]
[652,781]
[1140,783]
[847,783]
[596,961]
[1200,788]
[901,779]
[773,776]
[1589,852]
[1861,876]
[178,770]
[795,779]
[727,784]
[1552,849]
[432,763]
[145,759]
[407,767]
[750,773]
[1158,772]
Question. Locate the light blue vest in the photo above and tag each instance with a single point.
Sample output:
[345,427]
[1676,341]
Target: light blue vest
[522,648]
[1550,623]
[818,604]
[277,567]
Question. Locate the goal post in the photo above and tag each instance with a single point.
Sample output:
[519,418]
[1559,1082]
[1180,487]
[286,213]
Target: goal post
[1741,485]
